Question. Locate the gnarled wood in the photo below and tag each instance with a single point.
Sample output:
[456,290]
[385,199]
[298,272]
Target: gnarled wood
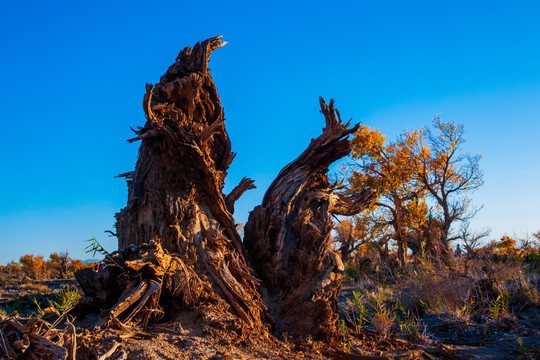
[175,196]
[244,185]
[288,236]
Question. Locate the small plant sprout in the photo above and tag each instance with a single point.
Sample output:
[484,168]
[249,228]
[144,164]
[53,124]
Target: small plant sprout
[38,305]
[407,321]
[521,347]
[464,311]
[66,300]
[499,306]
[383,314]
[345,342]
[95,247]
[358,309]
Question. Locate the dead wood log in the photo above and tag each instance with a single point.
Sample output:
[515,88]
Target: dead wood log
[43,348]
[111,351]
[72,349]
[124,303]
[175,193]
[7,348]
[288,236]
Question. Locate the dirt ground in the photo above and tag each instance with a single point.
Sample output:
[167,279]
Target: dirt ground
[178,338]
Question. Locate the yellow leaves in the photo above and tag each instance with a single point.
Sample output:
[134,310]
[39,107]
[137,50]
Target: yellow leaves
[347,229]
[416,213]
[367,142]
[387,167]
[506,245]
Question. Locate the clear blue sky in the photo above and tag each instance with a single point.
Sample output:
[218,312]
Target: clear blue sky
[73,77]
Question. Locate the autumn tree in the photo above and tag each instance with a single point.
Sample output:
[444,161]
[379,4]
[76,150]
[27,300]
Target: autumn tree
[389,167]
[347,238]
[367,230]
[59,262]
[14,268]
[448,175]
[32,265]
[76,264]
[425,178]
[472,239]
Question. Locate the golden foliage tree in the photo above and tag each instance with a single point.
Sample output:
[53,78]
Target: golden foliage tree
[389,167]
[349,237]
[424,178]
[32,265]
[59,263]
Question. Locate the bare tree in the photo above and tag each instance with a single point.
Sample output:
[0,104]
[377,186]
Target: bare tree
[449,175]
[60,262]
[471,239]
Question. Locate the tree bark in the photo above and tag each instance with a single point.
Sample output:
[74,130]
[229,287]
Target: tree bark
[177,233]
[175,196]
[288,235]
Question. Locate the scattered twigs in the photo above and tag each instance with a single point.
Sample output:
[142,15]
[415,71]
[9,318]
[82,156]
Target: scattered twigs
[135,334]
[43,348]
[6,347]
[22,344]
[441,351]
[72,350]
[401,355]
[110,352]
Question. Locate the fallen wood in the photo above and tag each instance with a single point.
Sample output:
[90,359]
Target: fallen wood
[42,348]
[6,347]
[152,289]
[72,349]
[124,303]
[110,352]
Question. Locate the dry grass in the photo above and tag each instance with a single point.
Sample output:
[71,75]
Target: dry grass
[396,301]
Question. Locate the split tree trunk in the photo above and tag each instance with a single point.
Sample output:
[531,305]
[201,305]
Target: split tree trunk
[288,236]
[175,196]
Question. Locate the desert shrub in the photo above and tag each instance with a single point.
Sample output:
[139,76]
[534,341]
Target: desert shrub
[500,306]
[77,264]
[430,287]
[351,271]
[66,299]
[32,265]
[14,270]
[522,289]
[533,258]
[358,312]
[32,287]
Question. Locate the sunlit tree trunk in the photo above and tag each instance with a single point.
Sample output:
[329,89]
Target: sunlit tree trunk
[175,196]
[288,236]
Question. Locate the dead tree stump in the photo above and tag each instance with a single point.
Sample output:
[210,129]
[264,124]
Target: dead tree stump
[288,236]
[179,247]
[175,196]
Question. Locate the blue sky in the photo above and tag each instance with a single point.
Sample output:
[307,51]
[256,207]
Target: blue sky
[74,73]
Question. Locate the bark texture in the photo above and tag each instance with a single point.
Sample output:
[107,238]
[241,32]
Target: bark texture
[175,198]
[288,236]
[179,247]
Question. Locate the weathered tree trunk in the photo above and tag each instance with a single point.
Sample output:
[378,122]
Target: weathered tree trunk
[288,236]
[175,196]
[179,247]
